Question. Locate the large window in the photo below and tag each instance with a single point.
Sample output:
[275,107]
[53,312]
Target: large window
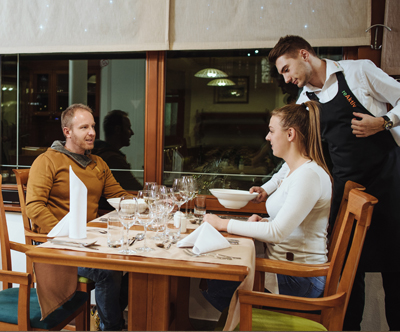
[217,132]
[37,88]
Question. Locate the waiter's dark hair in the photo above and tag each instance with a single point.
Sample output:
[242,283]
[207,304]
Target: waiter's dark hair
[289,46]
[304,119]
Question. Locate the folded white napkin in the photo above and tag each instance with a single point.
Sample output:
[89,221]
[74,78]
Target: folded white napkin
[74,222]
[204,239]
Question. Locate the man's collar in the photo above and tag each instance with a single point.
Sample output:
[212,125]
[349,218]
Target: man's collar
[81,159]
[332,67]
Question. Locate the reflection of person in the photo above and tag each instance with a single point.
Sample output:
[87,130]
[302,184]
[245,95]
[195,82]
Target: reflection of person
[298,208]
[48,200]
[363,148]
[117,131]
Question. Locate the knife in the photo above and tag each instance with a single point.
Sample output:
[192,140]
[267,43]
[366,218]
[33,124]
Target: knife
[75,244]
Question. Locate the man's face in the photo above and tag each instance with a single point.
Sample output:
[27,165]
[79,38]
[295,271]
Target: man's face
[295,70]
[80,137]
[126,132]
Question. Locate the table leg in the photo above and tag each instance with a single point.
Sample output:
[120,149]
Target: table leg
[180,293]
[148,304]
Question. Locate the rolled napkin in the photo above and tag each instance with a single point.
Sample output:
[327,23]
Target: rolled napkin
[74,222]
[204,239]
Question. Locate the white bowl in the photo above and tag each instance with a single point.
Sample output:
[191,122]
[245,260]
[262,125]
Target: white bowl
[232,198]
[114,202]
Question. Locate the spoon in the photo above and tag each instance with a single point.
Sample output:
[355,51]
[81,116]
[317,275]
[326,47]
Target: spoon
[138,237]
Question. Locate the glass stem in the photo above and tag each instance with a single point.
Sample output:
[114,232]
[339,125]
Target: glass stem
[127,238]
[145,238]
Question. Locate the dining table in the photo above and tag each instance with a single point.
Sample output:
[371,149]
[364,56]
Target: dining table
[159,280]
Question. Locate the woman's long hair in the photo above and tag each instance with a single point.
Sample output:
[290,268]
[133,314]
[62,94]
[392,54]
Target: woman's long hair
[304,118]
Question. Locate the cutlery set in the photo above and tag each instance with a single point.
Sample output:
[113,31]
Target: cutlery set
[140,236]
[219,256]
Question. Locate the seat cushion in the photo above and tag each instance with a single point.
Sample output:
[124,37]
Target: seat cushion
[266,320]
[9,308]
[84,280]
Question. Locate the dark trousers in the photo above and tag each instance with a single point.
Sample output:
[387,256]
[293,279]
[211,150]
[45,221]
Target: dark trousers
[355,309]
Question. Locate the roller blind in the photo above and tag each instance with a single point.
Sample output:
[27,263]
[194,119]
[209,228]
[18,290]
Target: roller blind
[47,26]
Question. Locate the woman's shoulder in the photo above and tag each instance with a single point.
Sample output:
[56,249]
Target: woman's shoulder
[311,170]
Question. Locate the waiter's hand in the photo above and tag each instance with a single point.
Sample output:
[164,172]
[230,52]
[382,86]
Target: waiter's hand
[262,194]
[367,126]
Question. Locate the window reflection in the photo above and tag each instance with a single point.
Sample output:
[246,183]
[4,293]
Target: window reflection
[217,133]
[50,83]
[8,116]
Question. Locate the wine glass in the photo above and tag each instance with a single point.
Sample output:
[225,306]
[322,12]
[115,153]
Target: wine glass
[192,192]
[145,217]
[127,211]
[149,185]
[178,187]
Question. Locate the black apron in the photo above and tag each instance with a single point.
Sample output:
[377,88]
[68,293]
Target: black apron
[372,161]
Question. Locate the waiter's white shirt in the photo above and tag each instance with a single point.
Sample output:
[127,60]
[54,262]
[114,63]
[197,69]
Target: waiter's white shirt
[372,87]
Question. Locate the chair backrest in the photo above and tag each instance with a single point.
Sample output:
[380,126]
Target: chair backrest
[22,176]
[356,221]
[4,241]
[339,218]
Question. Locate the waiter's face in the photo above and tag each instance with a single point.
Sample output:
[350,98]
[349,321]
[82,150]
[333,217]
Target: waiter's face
[296,70]
[278,137]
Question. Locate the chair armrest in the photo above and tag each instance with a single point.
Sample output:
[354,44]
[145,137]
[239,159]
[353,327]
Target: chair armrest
[21,278]
[20,246]
[291,302]
[291,268]
[31,235]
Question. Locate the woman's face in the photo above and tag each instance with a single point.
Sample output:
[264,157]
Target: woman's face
[278,137]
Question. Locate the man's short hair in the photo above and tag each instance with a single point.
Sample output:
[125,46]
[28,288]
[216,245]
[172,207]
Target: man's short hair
[289,46]
[68,114]
[112,119]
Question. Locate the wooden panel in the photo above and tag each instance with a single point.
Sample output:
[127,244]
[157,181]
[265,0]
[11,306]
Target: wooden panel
[154,116]
[390,44]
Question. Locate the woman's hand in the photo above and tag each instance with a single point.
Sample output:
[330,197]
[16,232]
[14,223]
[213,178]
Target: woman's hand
[262,194]
[217,222]
[255,217]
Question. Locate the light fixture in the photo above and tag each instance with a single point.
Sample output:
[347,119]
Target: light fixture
[221,82]
[210,73]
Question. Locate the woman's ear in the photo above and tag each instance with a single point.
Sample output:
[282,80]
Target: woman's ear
[291,134]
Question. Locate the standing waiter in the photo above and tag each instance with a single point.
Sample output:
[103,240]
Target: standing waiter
[363,140]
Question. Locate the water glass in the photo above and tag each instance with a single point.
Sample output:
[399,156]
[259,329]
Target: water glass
[200,207]
[174,227]
[115,232]
[127,213]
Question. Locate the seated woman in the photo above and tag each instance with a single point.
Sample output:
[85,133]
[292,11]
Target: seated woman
[298,206]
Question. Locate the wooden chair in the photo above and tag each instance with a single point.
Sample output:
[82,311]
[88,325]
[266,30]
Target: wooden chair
[84,284]
[322,313]
[260,262]
[19,307]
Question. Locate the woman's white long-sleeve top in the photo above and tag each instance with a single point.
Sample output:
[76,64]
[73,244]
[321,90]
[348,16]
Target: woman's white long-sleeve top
[299,210]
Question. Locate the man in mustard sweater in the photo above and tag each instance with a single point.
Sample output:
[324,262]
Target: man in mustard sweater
[47,200]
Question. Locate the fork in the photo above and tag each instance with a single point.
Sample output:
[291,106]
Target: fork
[220,256]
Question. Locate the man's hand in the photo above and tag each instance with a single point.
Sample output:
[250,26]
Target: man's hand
[367,126]
[262,194]
[217,222]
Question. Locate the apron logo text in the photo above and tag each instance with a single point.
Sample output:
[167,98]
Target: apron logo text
[350,100]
